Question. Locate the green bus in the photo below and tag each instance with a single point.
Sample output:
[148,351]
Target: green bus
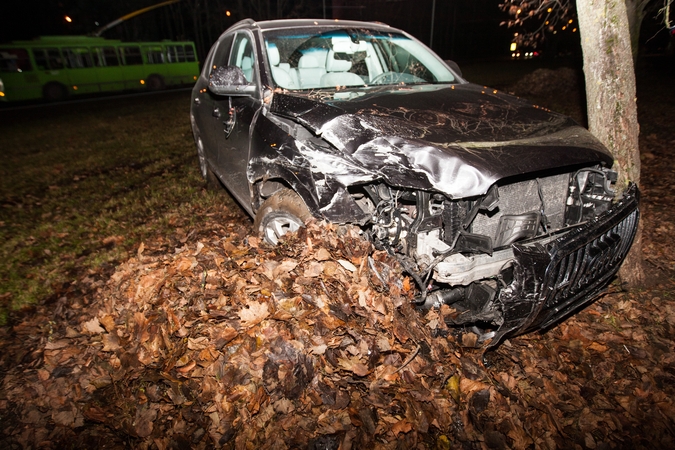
[55,67]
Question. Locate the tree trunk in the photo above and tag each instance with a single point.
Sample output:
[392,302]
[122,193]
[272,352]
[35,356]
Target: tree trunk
[610,94]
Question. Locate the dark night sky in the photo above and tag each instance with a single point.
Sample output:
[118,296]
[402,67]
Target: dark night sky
[463,29]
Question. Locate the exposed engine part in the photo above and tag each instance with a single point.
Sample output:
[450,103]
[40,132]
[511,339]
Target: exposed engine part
[590,193]
[468,244]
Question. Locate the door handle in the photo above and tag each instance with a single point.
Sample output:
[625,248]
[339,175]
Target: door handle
[230,122]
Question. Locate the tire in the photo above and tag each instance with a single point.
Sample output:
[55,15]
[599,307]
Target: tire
[54,92]
[282,213]
[155,83]
[211,180]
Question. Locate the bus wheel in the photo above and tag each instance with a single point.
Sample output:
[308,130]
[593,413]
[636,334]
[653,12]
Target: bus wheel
[54,92]
[155,83]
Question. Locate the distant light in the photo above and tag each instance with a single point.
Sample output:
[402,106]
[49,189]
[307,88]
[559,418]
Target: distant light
[142,81]
[515,34]
[194,77]
[2,94]
[513,46]
[546,23]
[518,12]
[574,30]
[68,19]
[570,21]
[96,23]
[549,10]
[564,28]
[228,13]
[74,88]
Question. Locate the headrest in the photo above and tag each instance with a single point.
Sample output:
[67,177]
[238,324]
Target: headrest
[307,62]
[337,65]
[343,44]
[273,54]
[246,63]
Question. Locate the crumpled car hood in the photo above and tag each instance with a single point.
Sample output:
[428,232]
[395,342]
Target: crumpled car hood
[456,139]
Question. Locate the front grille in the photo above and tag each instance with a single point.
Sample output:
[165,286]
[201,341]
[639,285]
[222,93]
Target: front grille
[583,262]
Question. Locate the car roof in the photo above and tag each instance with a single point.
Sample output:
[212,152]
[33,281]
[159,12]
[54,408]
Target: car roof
[298,23]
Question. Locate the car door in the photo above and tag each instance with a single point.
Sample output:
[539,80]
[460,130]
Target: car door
[206,108]
[237,114]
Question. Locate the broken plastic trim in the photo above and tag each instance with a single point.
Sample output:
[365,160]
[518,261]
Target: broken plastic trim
[553,281]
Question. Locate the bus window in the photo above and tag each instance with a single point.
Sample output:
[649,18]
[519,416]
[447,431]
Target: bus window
[175,53]
[154,55]
[48,59]
[106,56]
[14,60]
[132,55]
[190,53]
[77,58]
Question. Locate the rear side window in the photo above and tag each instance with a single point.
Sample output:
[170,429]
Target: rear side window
[132,55]
[48,58]
[154,55]
[77,58]
[222,54]
[190,53]
[106,57]
[175,53]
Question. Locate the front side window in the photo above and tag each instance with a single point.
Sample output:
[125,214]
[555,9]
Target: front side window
[242,55]
[15,60]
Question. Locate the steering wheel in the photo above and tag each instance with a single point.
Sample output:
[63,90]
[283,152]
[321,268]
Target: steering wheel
[386,78]
[396,77]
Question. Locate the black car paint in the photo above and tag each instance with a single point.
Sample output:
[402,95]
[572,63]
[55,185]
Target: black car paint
[457,139]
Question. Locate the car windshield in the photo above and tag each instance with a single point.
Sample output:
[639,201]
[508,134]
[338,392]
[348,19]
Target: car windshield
[321,58]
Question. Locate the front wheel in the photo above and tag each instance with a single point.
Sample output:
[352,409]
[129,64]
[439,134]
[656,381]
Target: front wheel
[282,213]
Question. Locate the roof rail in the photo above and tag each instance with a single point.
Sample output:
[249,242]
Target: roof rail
[247,21]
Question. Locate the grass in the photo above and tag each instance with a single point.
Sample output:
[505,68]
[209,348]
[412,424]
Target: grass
[83,184]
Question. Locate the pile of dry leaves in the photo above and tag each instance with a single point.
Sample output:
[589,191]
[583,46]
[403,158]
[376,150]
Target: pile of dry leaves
[225,342]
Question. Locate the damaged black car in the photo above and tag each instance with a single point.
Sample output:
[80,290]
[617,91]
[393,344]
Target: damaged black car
[506,211]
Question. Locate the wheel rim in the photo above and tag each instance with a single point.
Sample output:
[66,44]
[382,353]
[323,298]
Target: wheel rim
[279,225]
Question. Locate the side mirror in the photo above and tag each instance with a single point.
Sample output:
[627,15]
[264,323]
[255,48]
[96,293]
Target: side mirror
[230,80]
[454,66]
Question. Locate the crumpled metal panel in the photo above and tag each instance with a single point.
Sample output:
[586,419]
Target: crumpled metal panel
[457,140]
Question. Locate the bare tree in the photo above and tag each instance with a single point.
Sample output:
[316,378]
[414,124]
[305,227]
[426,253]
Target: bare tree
[542,17]
[611,99]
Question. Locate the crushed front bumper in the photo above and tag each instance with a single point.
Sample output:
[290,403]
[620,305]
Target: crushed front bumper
[555,279]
